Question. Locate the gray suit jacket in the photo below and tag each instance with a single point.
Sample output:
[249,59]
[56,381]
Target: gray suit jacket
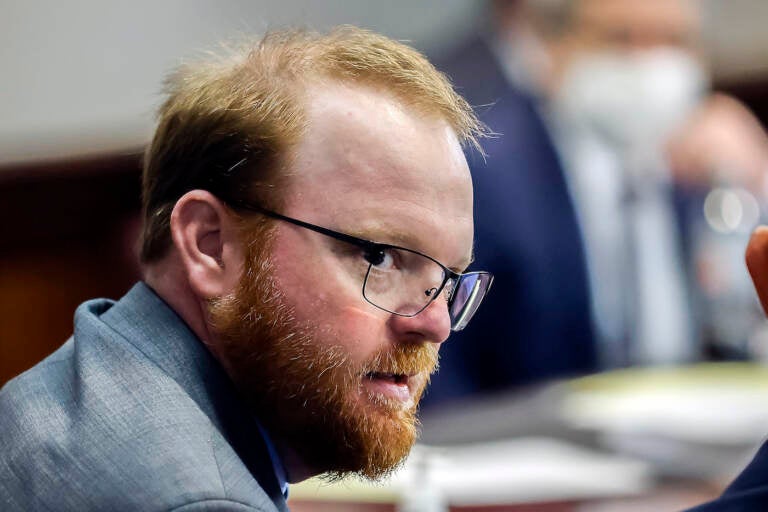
[131,413]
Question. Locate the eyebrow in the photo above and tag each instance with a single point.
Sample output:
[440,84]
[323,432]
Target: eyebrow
[382,235]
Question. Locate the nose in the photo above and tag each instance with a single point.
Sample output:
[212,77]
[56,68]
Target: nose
[433,324]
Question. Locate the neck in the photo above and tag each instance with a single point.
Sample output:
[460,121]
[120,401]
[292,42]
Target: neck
[167,279]
[295,467]
[525,58]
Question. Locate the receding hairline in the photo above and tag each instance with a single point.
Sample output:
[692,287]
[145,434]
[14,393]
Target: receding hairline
[232,119]
[337,56]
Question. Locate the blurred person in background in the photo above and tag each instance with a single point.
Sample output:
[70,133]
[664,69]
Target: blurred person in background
[271,339]
[589,204]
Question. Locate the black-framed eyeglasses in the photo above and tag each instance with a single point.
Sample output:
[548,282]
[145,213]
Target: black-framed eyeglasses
[403,281]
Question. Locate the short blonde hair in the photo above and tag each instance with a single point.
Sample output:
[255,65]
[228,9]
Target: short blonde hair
[228,123]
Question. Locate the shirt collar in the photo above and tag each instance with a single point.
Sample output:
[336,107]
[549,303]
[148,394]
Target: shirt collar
[277,463]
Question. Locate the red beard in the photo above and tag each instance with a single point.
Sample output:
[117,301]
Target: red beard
[305,389]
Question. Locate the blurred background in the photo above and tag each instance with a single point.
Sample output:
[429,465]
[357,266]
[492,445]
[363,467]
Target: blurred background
[619,361]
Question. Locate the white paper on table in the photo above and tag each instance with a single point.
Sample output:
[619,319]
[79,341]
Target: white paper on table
[700,404]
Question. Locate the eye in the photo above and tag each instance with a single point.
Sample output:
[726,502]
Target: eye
[382,259]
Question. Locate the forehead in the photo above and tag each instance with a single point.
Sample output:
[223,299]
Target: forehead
[369,164]
[643,17]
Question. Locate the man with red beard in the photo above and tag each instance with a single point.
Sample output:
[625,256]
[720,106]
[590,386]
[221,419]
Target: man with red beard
[307,226]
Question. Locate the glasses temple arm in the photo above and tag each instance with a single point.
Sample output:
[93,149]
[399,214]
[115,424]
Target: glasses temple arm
[360,242]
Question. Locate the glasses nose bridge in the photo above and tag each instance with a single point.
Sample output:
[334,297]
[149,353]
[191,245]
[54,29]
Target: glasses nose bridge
[441,283]
[452,281]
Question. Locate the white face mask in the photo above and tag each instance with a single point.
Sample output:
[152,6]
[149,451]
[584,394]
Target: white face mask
[634,100]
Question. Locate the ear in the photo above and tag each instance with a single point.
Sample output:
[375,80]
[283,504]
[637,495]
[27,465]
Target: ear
[757,263]
[205,236]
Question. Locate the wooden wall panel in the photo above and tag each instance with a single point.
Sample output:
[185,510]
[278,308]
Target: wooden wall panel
[68,235]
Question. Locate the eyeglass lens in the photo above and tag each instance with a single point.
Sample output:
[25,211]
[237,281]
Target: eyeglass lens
[469,293]
[405,282]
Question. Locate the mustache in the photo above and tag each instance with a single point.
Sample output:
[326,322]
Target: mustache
[405,359]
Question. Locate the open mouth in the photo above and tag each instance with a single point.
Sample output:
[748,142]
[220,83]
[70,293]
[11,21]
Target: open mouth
[395,387]
[394,378]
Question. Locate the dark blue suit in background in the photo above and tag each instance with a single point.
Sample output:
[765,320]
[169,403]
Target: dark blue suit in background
[535,322]
[748,493]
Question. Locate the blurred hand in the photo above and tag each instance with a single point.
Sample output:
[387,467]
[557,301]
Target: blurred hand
[722,139]
[757,263]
